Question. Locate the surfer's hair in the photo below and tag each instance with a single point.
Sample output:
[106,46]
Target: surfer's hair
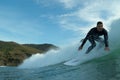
[99,22]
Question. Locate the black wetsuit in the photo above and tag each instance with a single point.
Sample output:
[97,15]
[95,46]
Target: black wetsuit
[94,35]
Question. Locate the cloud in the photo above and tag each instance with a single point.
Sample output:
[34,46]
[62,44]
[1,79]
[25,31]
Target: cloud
[17,28]
[65,3]
[89,13]
[76,27]
[20,27]
[80,15]
[46,3]
[20,31]
[68,3]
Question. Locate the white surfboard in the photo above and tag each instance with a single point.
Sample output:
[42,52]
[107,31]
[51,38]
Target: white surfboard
[72,62]
[76,61]
[80,59]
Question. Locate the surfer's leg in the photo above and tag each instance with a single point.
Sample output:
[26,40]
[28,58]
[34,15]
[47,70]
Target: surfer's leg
[93,44]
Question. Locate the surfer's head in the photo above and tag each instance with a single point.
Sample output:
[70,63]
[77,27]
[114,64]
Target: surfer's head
[99,26]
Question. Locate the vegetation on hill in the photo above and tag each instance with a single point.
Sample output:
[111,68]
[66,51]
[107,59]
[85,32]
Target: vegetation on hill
[13,54]
[43,47]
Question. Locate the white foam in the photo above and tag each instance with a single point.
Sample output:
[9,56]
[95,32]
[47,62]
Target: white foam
[50,58]
[67,53]
[54,57]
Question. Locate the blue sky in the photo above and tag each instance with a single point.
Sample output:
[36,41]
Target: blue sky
[57,22]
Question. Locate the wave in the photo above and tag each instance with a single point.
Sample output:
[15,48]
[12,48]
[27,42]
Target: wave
[69,52]
[53,57]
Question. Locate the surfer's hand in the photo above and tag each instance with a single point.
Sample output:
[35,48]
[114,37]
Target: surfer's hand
[80,48]
[107,49]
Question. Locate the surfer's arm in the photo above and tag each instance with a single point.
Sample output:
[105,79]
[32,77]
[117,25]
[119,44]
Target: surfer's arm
[84,41]
[106,38]
[86,38]
[106,42]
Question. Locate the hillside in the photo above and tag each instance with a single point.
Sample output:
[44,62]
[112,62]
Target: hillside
[13,54]
[43,47]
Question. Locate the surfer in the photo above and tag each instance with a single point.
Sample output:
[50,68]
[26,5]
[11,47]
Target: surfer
[94,35]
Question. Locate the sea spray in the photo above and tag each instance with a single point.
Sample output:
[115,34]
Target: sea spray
[69,52]
[51,57]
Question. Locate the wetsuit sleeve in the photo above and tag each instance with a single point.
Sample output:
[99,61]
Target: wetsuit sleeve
[86,38]
[106,38]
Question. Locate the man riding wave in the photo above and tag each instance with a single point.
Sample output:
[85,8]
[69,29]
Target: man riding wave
[94,35]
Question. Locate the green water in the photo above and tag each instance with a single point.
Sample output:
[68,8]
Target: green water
[104,68]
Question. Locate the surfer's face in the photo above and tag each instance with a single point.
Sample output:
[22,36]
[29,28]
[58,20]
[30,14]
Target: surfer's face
[100,27]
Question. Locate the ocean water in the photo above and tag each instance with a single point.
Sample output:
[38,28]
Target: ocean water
[103,68]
